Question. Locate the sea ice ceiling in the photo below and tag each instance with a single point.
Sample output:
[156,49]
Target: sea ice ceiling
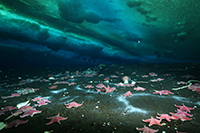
[87,32]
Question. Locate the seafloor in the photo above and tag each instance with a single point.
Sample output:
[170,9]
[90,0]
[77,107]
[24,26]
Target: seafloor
[102,112]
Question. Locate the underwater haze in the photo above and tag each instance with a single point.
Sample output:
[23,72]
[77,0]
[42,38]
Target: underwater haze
[40,33]
[99,66]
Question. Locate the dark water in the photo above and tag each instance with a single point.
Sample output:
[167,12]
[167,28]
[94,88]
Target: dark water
[102,112]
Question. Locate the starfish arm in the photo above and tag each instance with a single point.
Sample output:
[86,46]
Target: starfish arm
[63,118]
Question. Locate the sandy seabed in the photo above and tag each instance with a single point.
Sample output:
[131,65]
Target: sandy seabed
[102,112]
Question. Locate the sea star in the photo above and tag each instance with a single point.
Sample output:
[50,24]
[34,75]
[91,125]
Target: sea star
[42,102]
[165,92]
[147,130]
[30,112]
[53,87]
[153,74]
[8,108]
[153,121]
[165,116]
[56,118]
[185,113]
[139,88]
[73,104]
[100,86]
[1,113]
[15,123]
[109,89]
[184,108]
[181,117]
[89,86]
[127,94]
[37,99]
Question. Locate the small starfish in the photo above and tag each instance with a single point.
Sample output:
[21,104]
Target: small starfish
[8,108]
[15,123]
[165,92]
[30,112]
[153,121]
[181,117]
[165,116]
[56,118]
[139,88]
[127,94]
[147,130]
[187,109]
[73,104]
[109,89]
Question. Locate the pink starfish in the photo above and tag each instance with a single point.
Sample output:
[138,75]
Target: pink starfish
[73,104]
[147,130]
[165,116]
[72,83]
[127,94]
[109,89]
[101,90]
[156,80]
[8,108]
[1,113]
[181,82]
[15,123]
[89,86]
[56,118]
[40,103]
[15,95]
[139,88]
[188,76]
[153,121]
[21,110]
[165,92]
[37,99]
[185,113]
[180,132]
[181,117]
[153,74]
[184,108]
[53,87]
[61,82]
[145,76]
[30,112]
[100,86]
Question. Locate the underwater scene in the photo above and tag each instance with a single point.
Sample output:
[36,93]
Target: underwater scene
[100,66]
[134,98]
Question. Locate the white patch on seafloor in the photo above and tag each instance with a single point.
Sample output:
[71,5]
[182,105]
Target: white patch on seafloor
[89,97]
[129,108]
[58,91]
[197,103]
[65,97]
[47,97]
[86,90]
[70,100]
[78,88]
[182,99]
[171,96]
